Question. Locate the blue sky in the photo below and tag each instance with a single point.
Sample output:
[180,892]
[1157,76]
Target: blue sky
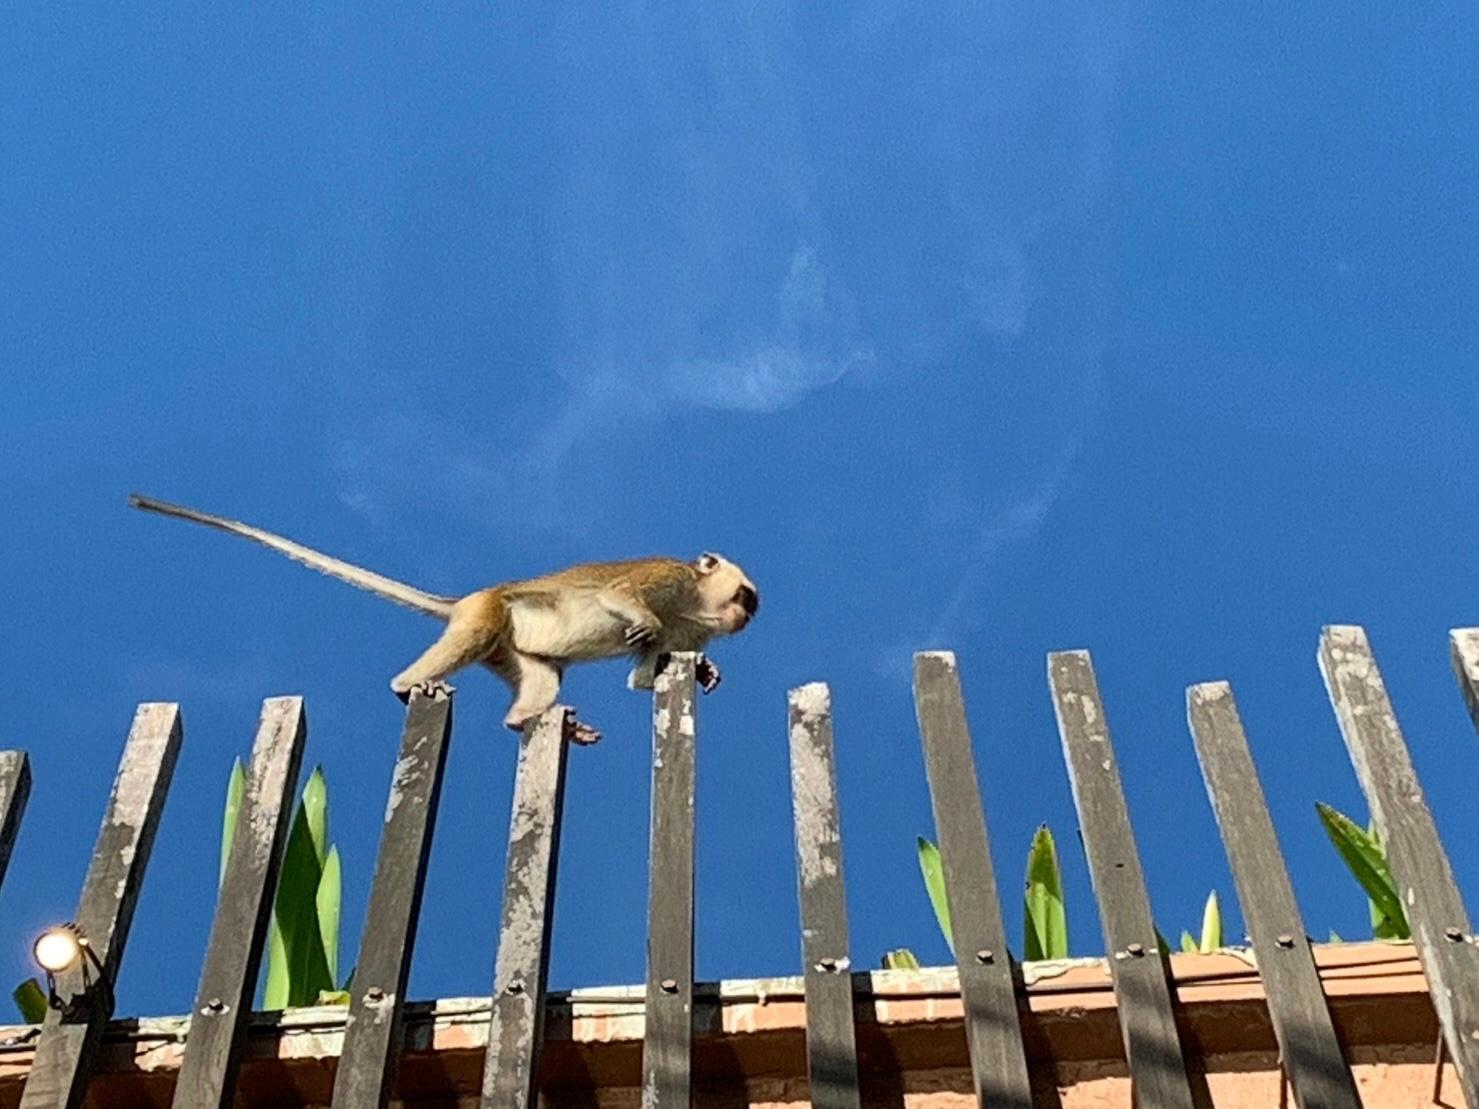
[1150,330]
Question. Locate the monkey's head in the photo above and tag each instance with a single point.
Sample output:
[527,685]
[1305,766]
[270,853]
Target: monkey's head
[730,598]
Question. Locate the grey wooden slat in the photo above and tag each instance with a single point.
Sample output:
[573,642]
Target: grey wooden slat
[667,1048]
[243,911]
[1142,992]
[1464,649]
[521,974]
[15,791]
[372,1037]
[993,1027]
[67,1047]
[1308,1046]
[1435,911]
[831,1040]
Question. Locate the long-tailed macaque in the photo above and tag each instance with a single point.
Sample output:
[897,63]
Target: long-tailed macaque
[527,632]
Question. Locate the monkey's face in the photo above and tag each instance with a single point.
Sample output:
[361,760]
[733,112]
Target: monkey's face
[730,598]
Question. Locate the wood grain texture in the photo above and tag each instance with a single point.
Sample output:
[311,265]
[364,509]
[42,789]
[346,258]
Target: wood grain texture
[667,1051]
[521,974]
[367,1064]
[1440,923]
[67,1048]
[831,1037]
[993,1027]
[1311,1053]
[233,956]
[1147,1018]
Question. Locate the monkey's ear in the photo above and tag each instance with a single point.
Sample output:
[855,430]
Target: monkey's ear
[707,563]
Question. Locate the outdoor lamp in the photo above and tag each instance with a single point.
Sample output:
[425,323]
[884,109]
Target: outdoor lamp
[60,948]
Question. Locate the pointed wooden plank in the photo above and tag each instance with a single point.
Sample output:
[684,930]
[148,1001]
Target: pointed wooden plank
[993,1028]
[67,1048]
[15,791]
[667,1049]
[1310,1052]
[1147,1019]
[1464,649]
[372,1036]
[521,975]
[831,1037]
[243,911]
[1440,924]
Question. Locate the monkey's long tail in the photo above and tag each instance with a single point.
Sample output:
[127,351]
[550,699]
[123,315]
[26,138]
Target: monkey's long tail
[398,592]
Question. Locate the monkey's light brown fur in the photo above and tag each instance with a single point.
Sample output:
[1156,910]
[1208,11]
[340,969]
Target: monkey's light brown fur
[527,632]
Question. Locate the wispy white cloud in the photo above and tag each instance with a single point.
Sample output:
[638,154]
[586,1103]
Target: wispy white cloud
[744,222]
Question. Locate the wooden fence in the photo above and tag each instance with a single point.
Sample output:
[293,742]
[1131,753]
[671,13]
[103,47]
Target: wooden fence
[990,981]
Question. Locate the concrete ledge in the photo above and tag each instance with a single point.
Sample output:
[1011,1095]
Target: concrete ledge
[750,1050]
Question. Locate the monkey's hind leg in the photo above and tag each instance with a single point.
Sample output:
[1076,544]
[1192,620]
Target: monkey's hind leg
[536,682]
[463,643]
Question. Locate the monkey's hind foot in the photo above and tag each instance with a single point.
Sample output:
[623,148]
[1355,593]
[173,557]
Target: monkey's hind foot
[707,674]
[434,690]
[578,732]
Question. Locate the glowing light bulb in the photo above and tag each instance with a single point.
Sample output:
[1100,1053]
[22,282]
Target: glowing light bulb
[57,949]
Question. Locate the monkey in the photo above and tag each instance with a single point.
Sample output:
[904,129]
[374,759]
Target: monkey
[527,632]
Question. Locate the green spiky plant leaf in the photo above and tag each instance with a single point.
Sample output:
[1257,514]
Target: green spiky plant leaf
[298,968]
[1211,925]
[327,902]
[901,958]
[1361,850]
[1045,918]
[1161,942]
[30,999]
[933,872]
[235,787]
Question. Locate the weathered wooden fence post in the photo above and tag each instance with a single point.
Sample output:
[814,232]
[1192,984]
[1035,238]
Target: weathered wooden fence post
[372,1037]
[831,1037]
[521,974]
[1435,911]
[1147,1019]
[243,911]
[987,986]
[1307,1045]
[15,791]
[67,1048]
[667,1049]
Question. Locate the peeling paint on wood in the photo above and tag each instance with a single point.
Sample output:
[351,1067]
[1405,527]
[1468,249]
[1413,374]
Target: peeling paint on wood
[233,956]
[667,1050]
[1311,1052]
[372,1037]
[1147,1020]
[521,973]
[831,1039]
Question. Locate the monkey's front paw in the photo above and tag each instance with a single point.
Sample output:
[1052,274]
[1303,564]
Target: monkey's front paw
[640,633]
[578,732]
[707,674]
